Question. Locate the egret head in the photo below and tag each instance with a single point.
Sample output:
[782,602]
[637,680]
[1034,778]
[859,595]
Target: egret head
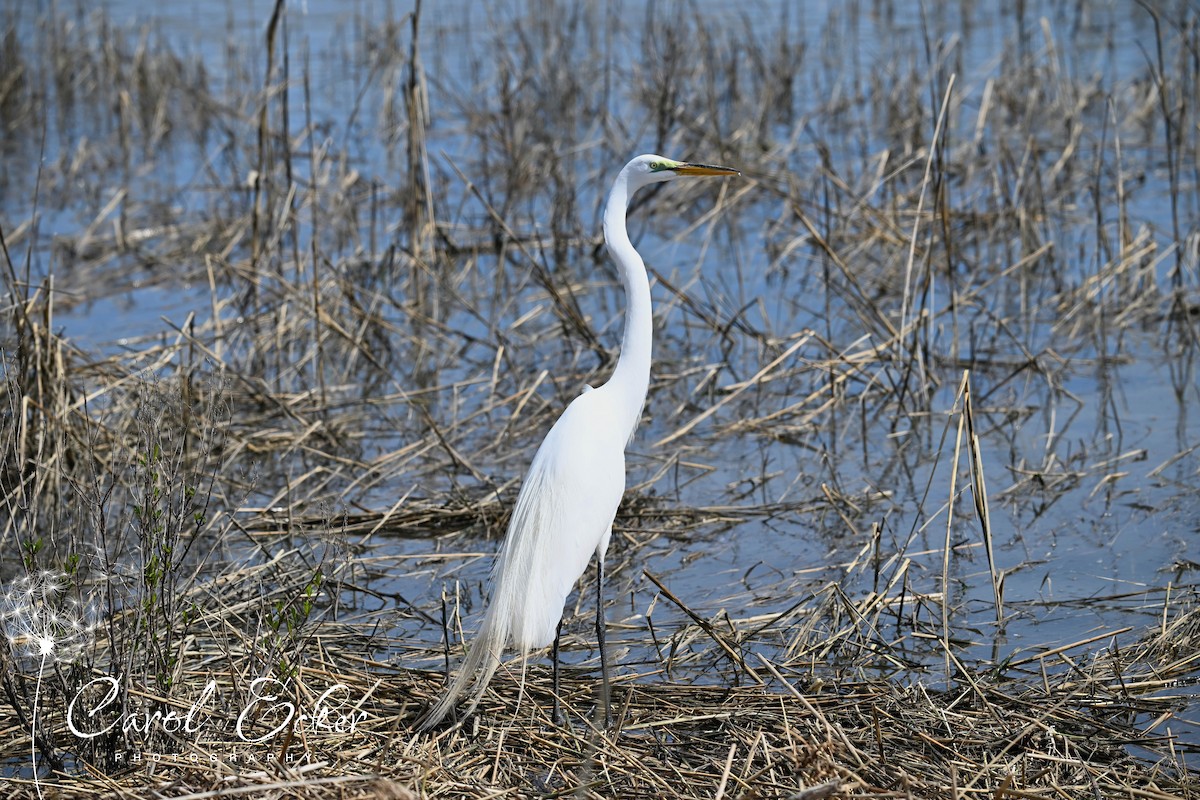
[648,169]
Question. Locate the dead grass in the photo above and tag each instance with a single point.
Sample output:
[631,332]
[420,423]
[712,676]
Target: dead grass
[1052,726]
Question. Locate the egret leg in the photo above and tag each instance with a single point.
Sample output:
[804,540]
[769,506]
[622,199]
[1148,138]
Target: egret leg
[557,715]
[604,689]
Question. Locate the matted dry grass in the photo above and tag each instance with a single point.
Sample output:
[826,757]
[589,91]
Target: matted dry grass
[1057,728]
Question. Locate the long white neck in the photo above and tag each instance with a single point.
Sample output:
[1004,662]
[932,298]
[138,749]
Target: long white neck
[631,378]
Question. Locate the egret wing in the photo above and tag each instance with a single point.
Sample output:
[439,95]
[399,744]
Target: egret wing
[563,515]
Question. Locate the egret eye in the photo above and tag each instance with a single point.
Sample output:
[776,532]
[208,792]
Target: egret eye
[655,166]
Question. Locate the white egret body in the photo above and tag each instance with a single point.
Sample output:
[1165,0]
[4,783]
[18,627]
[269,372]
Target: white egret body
[565,509]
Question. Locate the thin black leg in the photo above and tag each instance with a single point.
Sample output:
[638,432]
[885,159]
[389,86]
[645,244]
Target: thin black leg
[557,716]
[604,688]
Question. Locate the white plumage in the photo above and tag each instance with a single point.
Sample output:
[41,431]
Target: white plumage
[565,509]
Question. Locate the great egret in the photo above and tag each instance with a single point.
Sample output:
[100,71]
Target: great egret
[565,509]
